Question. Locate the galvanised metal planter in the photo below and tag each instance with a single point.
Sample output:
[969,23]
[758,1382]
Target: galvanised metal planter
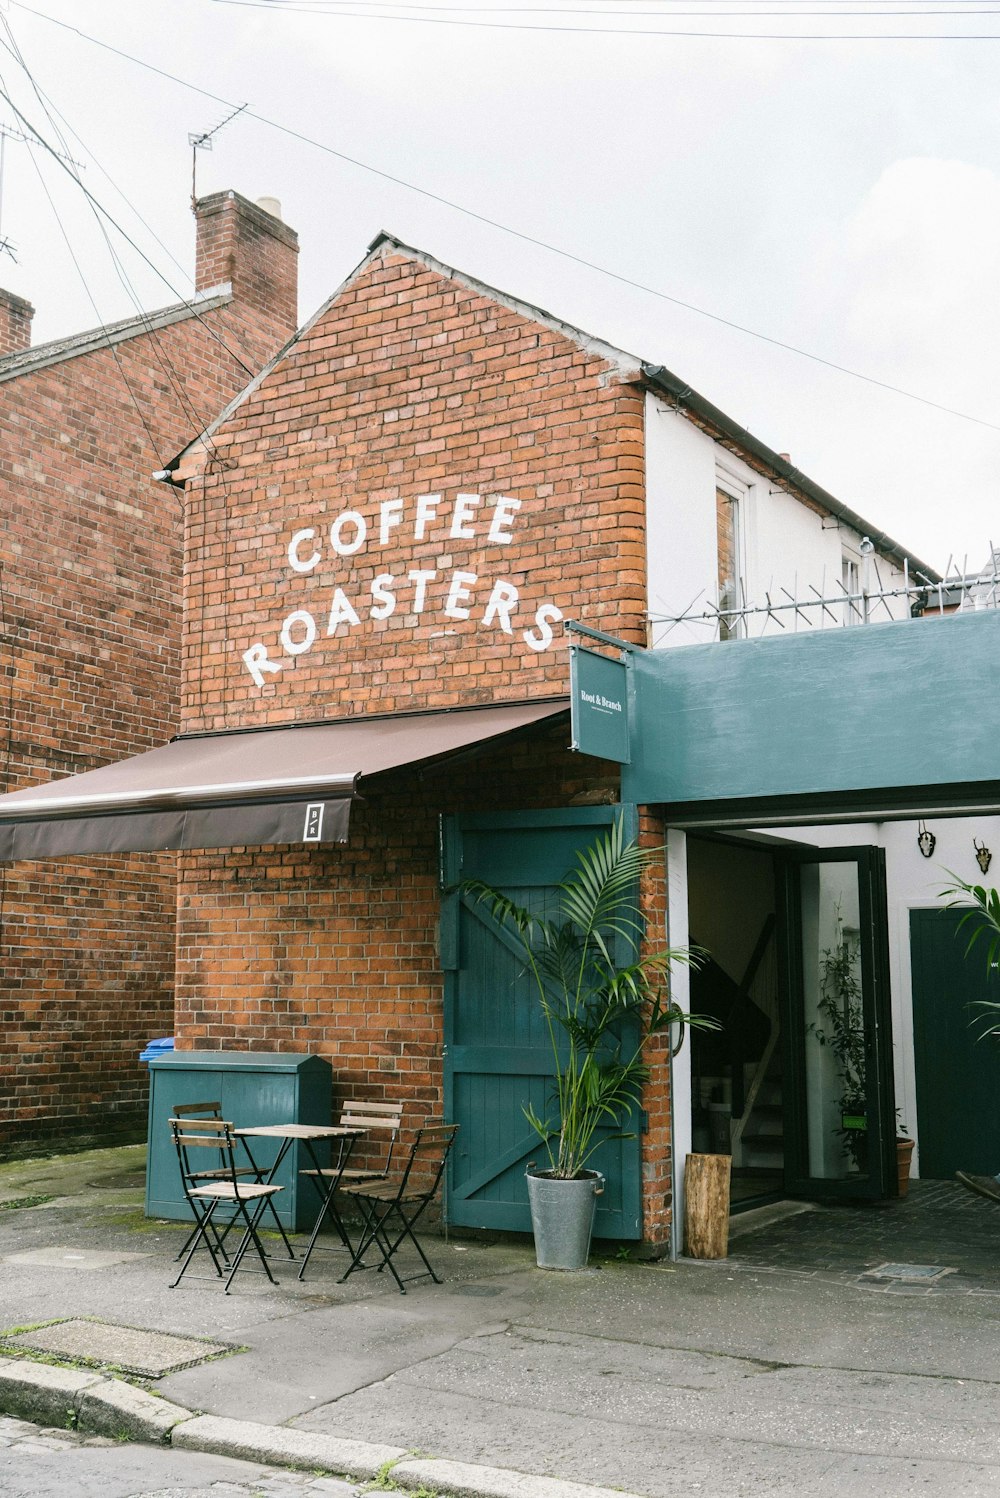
[562,1217]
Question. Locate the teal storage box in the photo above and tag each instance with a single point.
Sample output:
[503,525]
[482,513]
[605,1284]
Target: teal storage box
[252,1087]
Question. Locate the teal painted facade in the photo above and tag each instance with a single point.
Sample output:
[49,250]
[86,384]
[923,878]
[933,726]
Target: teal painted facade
[893,715]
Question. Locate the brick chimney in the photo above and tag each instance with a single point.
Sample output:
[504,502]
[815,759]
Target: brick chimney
[15,323]
[249,246]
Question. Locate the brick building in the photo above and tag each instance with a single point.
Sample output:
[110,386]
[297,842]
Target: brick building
[386,531]
[90,608]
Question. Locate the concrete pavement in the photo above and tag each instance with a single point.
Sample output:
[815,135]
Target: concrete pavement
[732,1378]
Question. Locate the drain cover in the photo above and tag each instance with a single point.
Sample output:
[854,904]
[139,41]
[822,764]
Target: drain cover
[475,1290]
[148,1354]
[915,1273]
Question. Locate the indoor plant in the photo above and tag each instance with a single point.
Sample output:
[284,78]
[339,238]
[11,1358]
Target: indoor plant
[843,1030]
[601,999]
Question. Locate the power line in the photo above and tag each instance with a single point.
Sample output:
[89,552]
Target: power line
[96,203]
[322,7]
[738,36]
[518,234]
[159,352]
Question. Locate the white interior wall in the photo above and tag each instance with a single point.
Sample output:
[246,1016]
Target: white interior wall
[916,883]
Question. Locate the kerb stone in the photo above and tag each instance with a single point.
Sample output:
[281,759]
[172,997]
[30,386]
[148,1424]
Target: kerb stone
[281,1446]
[114,1408]
[40,1393]
[469,1480]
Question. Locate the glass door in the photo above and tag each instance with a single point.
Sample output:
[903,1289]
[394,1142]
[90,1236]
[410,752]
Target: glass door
[839,1106]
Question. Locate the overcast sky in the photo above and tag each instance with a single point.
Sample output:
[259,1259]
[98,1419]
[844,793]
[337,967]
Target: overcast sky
[841,196]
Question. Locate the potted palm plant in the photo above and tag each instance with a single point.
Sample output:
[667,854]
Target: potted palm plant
[601,999]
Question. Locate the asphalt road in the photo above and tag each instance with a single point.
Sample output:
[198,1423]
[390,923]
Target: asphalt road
[36,1463]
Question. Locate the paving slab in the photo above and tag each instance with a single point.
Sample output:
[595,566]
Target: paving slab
[148,1354]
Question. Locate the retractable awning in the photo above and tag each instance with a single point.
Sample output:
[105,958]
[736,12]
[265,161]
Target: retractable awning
[278,785]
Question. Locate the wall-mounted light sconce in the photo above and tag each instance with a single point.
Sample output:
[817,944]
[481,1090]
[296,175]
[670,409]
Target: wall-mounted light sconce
[983,855]
[926,841]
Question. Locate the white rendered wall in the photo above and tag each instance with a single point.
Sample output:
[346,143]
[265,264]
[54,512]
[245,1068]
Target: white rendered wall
[681,540]
[783,544]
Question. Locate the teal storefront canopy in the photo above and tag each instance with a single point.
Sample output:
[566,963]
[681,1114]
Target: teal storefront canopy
[871,722]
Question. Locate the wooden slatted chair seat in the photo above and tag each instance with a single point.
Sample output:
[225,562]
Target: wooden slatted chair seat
[392,1208]
[192,1135]
[224,1170]
[379,1120]
[372,1118]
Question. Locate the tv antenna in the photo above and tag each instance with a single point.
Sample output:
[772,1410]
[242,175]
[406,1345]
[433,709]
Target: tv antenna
[7,247]
[203,142]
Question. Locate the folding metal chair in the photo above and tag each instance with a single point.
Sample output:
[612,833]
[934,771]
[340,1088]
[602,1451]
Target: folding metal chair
[371,1119]
[391,1208]
[222,1171]
[226,1185]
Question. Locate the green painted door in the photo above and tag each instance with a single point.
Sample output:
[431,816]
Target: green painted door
[497,1052]
[958,1076]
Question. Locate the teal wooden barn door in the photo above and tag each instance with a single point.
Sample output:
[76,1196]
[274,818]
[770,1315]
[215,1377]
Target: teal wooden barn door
[497,1052]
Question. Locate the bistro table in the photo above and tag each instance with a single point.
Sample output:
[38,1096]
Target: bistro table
[310,1135]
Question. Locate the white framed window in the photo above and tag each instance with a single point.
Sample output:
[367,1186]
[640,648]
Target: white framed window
[732,498]
[850,577]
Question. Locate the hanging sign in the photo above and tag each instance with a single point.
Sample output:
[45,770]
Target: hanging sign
[599,705]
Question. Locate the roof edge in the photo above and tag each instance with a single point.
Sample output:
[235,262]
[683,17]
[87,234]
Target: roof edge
[92,340]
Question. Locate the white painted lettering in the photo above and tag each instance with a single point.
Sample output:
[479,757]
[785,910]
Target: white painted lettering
[503,598]
[427,506]
[384,600]
[256,661]
[543,639]
[505,507]
[461,528]
[341,612]
[390,515]
[308,623]
[461,582]
[348,548]
[420,581]
[301,564]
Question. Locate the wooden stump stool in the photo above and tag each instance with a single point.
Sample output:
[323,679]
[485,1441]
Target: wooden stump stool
[706,1206]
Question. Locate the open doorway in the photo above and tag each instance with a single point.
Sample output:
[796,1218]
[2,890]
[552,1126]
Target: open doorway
[736,1083]
[797,1082]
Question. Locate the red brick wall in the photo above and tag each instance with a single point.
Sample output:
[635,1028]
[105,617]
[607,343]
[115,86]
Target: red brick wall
[335,952]
[410,384]
[90,567]
[15,323]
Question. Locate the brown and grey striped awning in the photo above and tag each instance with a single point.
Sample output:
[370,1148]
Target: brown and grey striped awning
[249,788]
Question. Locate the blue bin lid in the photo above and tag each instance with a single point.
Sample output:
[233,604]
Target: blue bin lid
[156,1048]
